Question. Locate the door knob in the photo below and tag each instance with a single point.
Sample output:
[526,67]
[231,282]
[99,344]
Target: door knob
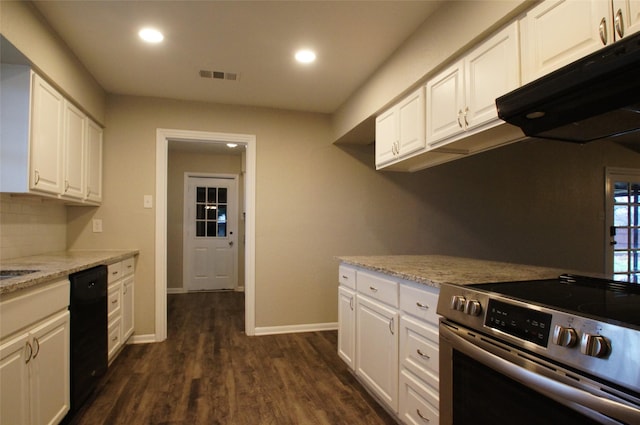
[230,243]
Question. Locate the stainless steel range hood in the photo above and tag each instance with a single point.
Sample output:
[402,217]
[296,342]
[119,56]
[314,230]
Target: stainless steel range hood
[593,98]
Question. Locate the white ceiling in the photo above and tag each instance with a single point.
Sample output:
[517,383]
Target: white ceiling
[255,39]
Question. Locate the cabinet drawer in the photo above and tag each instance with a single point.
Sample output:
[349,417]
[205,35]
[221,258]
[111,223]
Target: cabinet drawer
[347,276]
[114,337]
[17,312]
[128,266]
[418,403]
[420,302]
[114,271]
[114,302]
[378,287]
[419,350]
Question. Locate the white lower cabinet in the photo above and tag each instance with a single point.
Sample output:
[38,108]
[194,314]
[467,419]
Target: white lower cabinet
[347,326]
[377,349]
[120,305]
[34,356]
[394,330]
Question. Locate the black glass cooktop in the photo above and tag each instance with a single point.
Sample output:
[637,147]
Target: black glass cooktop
[598,298]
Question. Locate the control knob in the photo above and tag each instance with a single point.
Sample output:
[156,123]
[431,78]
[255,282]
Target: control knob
[473,308]
[458,302]
[565,337]
[594,345]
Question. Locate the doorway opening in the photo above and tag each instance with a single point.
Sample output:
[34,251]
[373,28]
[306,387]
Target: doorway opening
[196,140]
[623,224]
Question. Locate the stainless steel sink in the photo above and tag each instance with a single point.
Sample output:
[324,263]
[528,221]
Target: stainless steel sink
[8,274]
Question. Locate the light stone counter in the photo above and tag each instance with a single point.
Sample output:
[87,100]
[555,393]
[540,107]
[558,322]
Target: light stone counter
[434,270]
[55,265]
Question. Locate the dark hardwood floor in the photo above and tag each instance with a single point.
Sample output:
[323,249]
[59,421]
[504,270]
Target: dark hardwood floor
[209,372]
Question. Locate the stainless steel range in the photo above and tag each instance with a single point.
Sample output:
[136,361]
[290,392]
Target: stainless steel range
[564,350]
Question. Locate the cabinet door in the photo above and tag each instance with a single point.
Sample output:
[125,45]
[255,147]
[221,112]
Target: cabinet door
[94,162]
[127,307]
[377,349]
[347,326]
[411,123]
[386,136]
[50,373]
[75,133]
[46,144]
[626,17]
[558,32]
[445,100]
[491,70]
[14,381]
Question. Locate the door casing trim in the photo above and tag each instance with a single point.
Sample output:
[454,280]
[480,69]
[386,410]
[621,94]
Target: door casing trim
[163,136]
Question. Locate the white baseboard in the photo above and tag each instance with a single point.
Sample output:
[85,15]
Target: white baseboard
[312,327]
[142,339]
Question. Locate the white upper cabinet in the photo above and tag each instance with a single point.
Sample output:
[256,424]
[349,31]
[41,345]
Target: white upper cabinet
[462,97]
[46,149]
[94,163]
[75,130]
[400,130]
[445,103]
[48,146]
[558,32]
[626,17]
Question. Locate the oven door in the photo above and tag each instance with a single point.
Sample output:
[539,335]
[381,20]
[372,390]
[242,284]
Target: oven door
[484,381]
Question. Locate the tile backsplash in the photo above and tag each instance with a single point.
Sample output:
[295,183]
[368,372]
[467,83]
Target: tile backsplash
[31,226]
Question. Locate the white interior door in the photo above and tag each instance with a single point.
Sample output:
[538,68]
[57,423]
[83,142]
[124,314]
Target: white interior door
[210,232]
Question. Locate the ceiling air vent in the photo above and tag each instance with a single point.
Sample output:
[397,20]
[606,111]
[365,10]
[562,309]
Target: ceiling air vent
[219,75]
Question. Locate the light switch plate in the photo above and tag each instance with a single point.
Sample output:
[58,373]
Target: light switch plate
[97,225]
[148,201]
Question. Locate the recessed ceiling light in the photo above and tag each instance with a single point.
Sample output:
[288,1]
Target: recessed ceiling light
[151,35]
[305,56]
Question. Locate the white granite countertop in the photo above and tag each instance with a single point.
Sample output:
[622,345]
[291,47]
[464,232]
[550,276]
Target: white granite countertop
[54,265]
[434,270]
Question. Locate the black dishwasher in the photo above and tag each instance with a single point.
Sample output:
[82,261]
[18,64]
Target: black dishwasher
[88,309]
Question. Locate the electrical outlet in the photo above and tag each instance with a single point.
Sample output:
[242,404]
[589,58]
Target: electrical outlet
[148,201]
[97,225]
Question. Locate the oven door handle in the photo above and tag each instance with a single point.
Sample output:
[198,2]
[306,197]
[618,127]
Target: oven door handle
[575,398]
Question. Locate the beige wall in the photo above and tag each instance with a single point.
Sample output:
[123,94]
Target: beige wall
[536,202]
[453,27]
[24,27]
[178,163]
[314,201]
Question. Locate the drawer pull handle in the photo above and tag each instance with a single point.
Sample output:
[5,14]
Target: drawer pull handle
[345,277]
[422,306]
[114,302]
[374,289]
[28,358]
[115,338]
[423,355]
[36,343]
[114,273]
[424,418]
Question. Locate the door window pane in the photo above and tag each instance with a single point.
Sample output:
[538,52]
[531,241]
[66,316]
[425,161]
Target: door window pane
[200,194]
[222,195]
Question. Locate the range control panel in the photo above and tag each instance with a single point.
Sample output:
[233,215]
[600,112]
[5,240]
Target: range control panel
[523,323]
